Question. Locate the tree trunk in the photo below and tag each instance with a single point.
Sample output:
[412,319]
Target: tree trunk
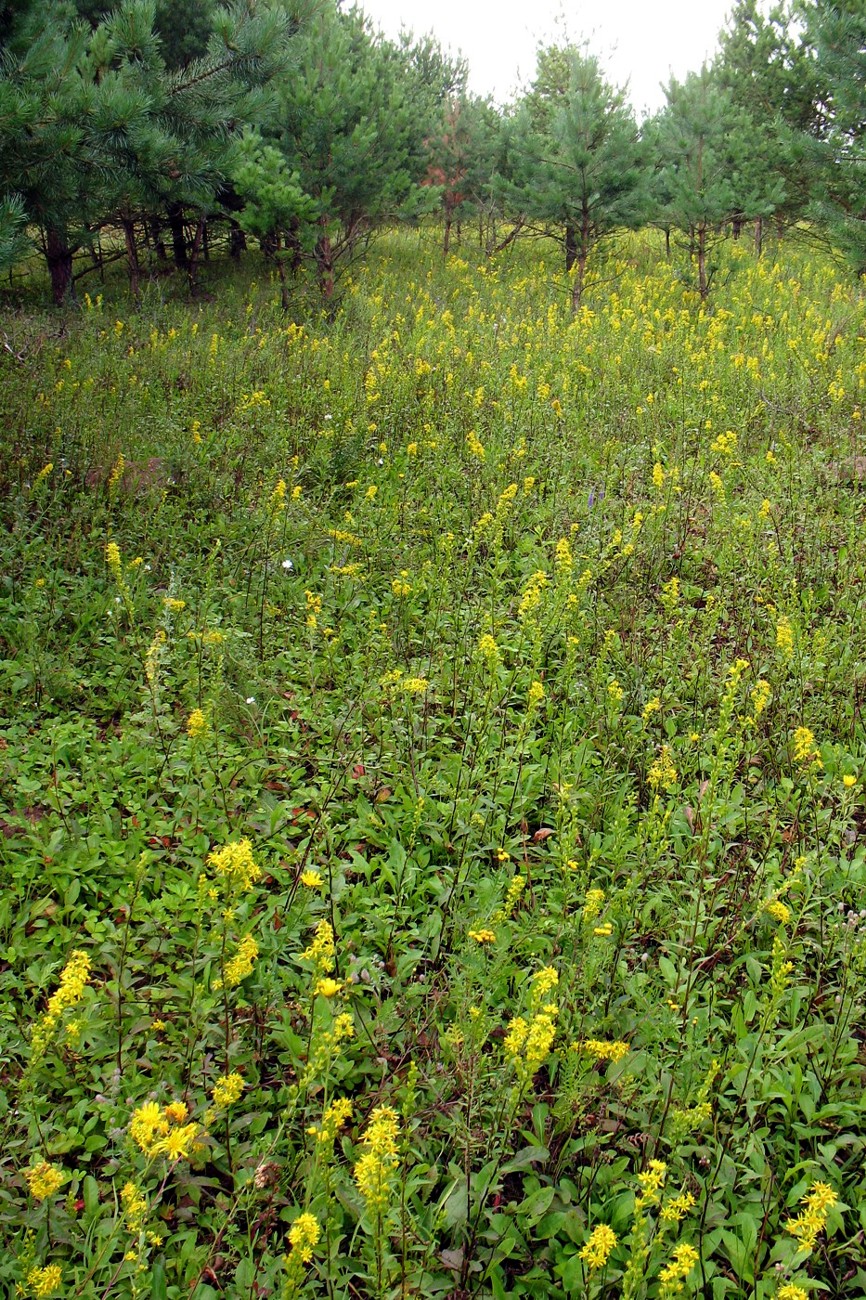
[178,235]
[132,262]
[237,241]
[759,236]
[192,264]
[577,282]
[325,266]
[668,242]
[58,255]
[446,242]
[570,248]
[703,285]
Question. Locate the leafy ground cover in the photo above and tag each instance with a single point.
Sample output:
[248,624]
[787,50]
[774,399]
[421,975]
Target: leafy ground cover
[432,787]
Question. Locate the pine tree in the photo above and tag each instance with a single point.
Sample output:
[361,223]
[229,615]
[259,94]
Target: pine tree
[710,157]
[835,151]
[577,161]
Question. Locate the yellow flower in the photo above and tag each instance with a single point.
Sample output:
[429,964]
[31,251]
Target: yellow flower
[42,1281]
[651,1182]
[134,1207]
[804,747]
[333,1120]
[779,912]
[816,1205]
[785,637]
[227,1090]
[374,1170]
[322,951]
[304,1236]
[677,1207]
[234,862]
[148,1126]
[73,981]
[592,904]
[43,1180]
[312,879]
[196,725]
[241,965]
[179,1143]
[483,936]
[536,695]
[849,781]
[327,987]
[176,1112]
[601,1242]
[662,773]
[671,1277]
[604,1050]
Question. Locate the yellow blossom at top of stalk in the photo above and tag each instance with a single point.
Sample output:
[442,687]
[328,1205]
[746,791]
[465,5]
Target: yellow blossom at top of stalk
[531,597]
[603,1049]
[812,1220]
[73,981]
[785,637]
[333,1120]
[148,1126]
[542,982]
[482,936]
[593,904]
[311,879]
[601,1242]
[227,1090]
[803,747]
[235,864]
[791,1292]
[651,1182]
[676,1209]
[778,910]
[134,1207]
[241,964]
[373,1172]
[662,773]
[682,1261]
[322,951]
[43,1180]
[113,560]
[42,1281]
[304,1236]
[196,725]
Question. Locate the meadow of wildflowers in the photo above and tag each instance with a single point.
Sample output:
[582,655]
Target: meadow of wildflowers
[432,786]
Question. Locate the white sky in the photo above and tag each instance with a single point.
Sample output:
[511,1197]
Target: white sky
[639,41]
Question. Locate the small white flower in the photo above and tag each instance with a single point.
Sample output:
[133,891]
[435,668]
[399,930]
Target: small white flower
[288,566]
[251,699]
[380,461]
[329,417]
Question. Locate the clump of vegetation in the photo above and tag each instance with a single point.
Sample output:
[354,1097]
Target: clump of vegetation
[432,774]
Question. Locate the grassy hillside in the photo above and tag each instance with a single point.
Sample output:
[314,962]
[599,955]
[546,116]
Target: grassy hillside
[432,786]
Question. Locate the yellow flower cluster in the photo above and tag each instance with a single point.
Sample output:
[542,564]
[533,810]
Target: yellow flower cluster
[227,1090]
[803,746]
[778,910]
[134,1207]
[531,596]
[70,991]
[235,864]
[373,1172]
[813,1219]
[602,1049]
[677,1207]
[304,1236]
[785,637]
[662,773]
[196,725]
[593,904]
[333,1119]
[43,1180]
[42,1281]
[671,1277]
[160,1130]
[241,965]
[482,936]
[322,951]
[601,1242]
[651,1182]
[513,894]
[488,650]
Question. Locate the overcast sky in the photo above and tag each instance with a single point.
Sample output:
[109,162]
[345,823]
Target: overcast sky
[639,41]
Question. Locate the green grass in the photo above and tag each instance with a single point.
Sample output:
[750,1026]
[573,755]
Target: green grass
[520,644]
